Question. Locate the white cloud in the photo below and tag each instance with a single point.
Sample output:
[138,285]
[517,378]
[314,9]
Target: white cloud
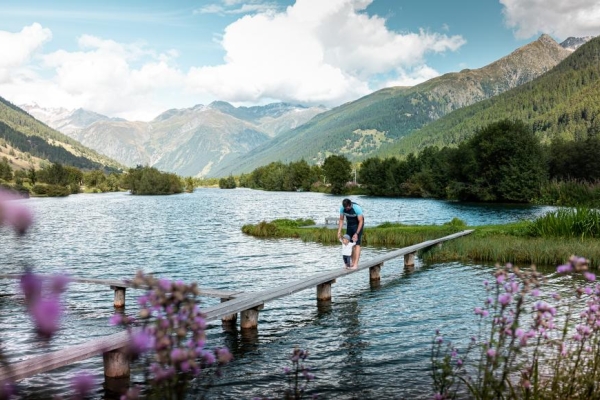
[114,79]
[16,49]
[555,17]
[315,52]
[418,75]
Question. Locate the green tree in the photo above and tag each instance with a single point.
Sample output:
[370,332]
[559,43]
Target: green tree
[55,174]
[298,176]
[338,171]
[503,161]
[190,184]
[150,181]
[227,183]
[6,172]
[579,160]
[32,175]
[94,178]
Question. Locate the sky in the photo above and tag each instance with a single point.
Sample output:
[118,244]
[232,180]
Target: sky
[137,58]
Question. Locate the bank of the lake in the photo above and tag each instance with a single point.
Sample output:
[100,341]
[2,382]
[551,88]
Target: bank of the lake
[502,243]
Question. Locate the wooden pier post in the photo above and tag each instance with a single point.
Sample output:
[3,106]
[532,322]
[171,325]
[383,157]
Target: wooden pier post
[375,272]
[228,320]
[249,318]
[119,296]
[324,291]
[116,364]
[409,260]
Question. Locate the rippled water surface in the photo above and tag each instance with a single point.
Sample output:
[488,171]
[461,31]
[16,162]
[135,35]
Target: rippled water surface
[370,342]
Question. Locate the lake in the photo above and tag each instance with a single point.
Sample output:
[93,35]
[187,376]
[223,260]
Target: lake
[370,342]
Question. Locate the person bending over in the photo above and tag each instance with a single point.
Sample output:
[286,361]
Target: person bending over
[355,223]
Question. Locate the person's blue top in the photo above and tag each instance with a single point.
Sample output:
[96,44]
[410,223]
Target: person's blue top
[351,214]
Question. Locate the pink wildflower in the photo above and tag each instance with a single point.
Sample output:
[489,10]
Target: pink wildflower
[46,315]
[82,384]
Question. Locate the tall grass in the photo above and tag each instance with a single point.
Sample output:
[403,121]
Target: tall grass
[522,242]
[392,235]
[514,249]
[570,194]
[583,223]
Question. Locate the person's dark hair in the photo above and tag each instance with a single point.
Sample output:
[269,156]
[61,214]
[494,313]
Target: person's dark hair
[346,202]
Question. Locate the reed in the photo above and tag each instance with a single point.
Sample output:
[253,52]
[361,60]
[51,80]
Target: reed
[578,222]
[513,249]
[278,228]
[570,193]
[518,242]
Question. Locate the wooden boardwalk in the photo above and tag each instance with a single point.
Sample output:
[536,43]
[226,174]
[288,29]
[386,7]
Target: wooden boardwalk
[248,304]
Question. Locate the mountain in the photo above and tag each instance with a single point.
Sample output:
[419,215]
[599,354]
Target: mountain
[360,128]
[563,103]
[26,142]
[190,141]
[63,120]
[573,43]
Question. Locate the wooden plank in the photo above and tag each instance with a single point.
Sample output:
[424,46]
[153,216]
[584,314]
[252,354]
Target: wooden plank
[206,292]
[60,358]
[245,301]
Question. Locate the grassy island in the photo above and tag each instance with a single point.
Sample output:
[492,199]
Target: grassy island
[548,240]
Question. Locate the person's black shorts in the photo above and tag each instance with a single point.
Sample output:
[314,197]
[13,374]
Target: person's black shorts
[351,230]
[347,260]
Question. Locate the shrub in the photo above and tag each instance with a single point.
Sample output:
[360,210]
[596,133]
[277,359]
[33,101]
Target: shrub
[50,190]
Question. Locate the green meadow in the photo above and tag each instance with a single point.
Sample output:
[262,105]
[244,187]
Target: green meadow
[548,240]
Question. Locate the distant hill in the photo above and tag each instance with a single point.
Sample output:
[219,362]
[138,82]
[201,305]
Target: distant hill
[368,125]
[563,103]
[25,141]
[63,120]
[190,141]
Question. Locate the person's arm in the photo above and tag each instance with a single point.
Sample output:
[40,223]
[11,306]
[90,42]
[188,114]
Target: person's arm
[340,225]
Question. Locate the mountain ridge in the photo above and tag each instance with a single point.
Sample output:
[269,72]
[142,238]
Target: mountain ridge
[28,142]
[383,117]
[160,142]
[219,139]
[559,104]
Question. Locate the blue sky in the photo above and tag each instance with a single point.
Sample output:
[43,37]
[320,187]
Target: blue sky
[137,58]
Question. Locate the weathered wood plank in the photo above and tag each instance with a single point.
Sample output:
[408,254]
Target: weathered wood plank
[242,302]
[60,358]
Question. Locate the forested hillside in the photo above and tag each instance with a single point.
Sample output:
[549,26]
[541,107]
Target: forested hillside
[563,103]
[27,135]
[362,127]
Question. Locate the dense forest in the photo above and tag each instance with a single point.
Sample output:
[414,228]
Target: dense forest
[502,162]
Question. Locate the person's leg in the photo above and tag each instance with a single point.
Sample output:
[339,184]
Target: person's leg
[347,261]
[355,256]
[356,251]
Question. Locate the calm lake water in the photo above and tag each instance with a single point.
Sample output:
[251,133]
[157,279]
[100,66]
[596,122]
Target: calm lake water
[368,343]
